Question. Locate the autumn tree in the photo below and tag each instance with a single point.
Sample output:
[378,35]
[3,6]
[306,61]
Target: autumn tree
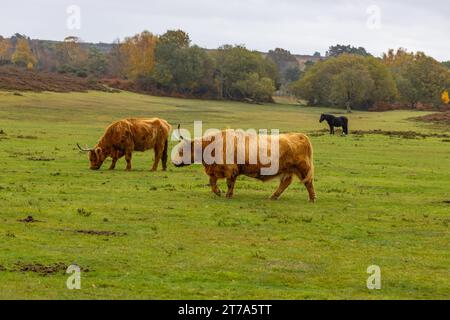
[139,52]
[5,50]
[419,77]
[23,56]
[445,97]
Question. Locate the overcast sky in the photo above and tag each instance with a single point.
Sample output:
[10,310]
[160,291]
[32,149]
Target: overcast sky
[300,26]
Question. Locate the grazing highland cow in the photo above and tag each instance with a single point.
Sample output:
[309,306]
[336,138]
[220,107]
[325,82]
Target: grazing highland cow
[125,136]
[228,154]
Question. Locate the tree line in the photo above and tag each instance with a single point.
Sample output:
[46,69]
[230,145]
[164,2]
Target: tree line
[169,63]
[358,80]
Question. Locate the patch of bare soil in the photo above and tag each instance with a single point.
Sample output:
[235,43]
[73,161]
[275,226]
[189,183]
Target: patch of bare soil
[102,233]
[319,133]
[438,118]
[402,134]
[26,137]
[385,106]
[28,219]
[397,134]
[40,268]
[12,78]
[45,159]
[58,267]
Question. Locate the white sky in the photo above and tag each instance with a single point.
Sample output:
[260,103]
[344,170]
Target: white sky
[302,27]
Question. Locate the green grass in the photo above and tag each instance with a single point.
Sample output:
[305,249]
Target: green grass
[380,201]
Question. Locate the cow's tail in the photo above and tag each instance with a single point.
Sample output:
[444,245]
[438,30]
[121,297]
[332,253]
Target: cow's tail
[165,151]
[309,159]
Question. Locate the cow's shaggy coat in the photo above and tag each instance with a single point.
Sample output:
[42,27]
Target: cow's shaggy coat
[123,137]
[295,159]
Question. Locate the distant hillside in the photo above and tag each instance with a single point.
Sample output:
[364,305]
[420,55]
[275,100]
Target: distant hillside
[12,78]
[101,46]
[302,59]
[106,48]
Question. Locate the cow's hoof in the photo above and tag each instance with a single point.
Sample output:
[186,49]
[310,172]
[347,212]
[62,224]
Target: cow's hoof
[312,200]
[229,196]
[274,198]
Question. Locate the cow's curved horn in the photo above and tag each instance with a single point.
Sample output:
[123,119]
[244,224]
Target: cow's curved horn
[179,132]
[84,149]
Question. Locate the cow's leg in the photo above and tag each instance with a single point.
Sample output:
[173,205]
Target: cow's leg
[230,183]
[115,155]
[310,187]
[331,129]
[213,184]
[302,172]
[285,181]
[113,163]
[158,156]
[128,159]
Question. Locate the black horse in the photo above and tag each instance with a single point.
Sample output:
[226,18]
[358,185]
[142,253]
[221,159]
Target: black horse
[335,122]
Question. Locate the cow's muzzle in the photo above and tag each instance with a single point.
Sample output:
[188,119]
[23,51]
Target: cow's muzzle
[179,165]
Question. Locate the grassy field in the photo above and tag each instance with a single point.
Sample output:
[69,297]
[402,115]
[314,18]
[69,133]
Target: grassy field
[382,200]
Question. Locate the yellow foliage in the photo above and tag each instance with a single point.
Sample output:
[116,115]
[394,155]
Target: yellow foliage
[23,55]
[5,46]
[139,52]
[445,97]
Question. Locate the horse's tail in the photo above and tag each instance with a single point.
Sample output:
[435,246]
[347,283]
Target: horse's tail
[345,128]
